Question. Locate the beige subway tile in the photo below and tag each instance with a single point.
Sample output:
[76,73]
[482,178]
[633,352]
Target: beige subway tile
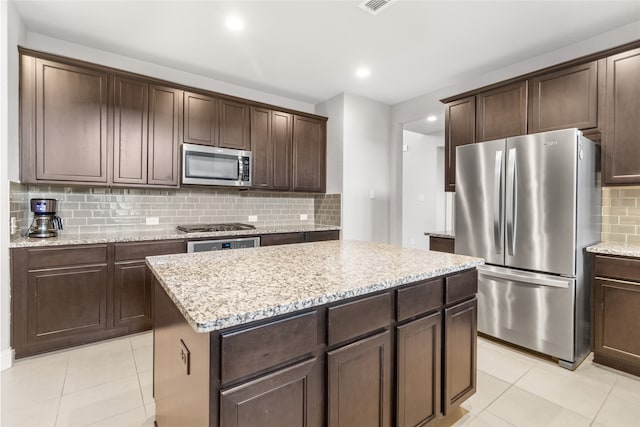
[623,202]
[623,229]
[635,239]
[614,211]
[612,237]
[630,220]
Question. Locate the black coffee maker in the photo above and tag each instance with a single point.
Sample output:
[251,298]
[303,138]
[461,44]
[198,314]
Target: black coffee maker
[45,222]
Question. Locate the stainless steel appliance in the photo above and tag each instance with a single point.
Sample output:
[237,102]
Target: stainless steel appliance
[203,228]
[45,223]
[223,244]
[529,206]
[207,165]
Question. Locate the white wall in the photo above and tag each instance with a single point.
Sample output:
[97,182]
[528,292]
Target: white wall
[366,169]
[334,110]
[423,198]
[423,105]
[12,33]
[48,44]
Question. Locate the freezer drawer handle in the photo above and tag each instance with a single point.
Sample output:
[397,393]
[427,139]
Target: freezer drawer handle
[515,277]
[497,203]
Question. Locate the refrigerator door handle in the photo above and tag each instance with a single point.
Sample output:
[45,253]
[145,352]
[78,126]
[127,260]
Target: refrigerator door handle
[498,226]
[512,196]
[531,278]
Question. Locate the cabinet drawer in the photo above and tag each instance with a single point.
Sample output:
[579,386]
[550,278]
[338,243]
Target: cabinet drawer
[460,286]
[281,239]
[441,244]
[60,257]
[256,349]
[359,317]
[418,299]
[134,251]
[321,236]
[618,268]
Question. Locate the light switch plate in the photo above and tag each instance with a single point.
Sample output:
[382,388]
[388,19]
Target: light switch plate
[153,220]
[303,217]
[253,218]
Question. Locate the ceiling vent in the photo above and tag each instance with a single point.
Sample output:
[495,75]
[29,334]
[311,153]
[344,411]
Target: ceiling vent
[375,6]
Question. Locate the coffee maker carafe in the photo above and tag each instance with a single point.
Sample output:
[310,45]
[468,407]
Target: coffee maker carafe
[45,222]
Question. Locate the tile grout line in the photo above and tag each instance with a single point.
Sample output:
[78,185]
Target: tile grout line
[604,401]
[135,363]
[64,382]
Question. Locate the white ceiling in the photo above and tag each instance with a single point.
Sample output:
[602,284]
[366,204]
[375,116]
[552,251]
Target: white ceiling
[309,50]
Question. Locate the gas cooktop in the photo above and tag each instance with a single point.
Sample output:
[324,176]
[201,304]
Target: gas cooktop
[201,228]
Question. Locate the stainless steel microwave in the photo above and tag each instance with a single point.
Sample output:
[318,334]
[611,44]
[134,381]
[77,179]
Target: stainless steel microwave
[205,165]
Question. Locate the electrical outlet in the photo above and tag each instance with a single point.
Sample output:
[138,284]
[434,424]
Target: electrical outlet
[421,197]
[185,357]
[303,217]
[372,194]
[253,218]
[405,147]
[153,220]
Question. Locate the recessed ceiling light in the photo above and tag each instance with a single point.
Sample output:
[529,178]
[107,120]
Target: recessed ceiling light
[363,72]
[234,23]
[432,118]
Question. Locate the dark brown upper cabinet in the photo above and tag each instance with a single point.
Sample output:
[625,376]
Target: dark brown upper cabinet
[271,141]
[234,125]
[130,118]
[621,136]
[64,122]
[564,99]
[502,112]
[460,129]
[165,104]
[200,119]
[309,154]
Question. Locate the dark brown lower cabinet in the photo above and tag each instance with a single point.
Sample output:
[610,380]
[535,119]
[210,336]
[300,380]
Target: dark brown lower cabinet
[359,383]
[71,295]
[442,244]
[290,238]
[407,362]
[460,353]
[616,313]
[289,397]
[418,371]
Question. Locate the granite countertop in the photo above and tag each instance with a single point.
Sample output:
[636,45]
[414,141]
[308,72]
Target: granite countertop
[145,235]
[614,248]
[447,234]
[216,290]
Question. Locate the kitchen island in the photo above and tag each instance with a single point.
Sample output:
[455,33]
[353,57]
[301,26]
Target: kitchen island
[338,333]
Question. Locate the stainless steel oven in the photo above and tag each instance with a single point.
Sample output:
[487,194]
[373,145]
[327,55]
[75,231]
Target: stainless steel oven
[222,244]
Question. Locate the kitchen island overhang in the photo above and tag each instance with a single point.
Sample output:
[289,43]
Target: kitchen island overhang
[284,335]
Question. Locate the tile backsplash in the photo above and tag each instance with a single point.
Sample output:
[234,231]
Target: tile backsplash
[85,209]
[621,214]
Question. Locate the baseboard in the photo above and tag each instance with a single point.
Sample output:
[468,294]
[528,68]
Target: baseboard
[6,359]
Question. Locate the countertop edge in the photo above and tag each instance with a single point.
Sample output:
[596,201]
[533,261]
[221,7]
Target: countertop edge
[268,312]
[125,237]
[441,234]
[617,249]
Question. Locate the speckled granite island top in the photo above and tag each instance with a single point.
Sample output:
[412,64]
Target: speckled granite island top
[216,290]
[613,248]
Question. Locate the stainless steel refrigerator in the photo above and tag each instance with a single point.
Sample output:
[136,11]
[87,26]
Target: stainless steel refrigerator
[529,206]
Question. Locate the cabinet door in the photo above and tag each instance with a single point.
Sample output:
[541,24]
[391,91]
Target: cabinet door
[234,125]
[565,99]
[130,114]
[63,302]
[309,154]
[419,375]
[502,112]
[200,124]
[358,383]
[261,148]
[621,145]
[71,123]
[460,350]
[291,397]
[616,306]
[460,129]
[132,296]
[164,113]
[281,141]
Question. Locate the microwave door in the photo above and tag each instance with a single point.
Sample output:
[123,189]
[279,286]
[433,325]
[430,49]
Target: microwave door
[205,166]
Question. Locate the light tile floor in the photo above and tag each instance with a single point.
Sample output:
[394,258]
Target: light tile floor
[110,384]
